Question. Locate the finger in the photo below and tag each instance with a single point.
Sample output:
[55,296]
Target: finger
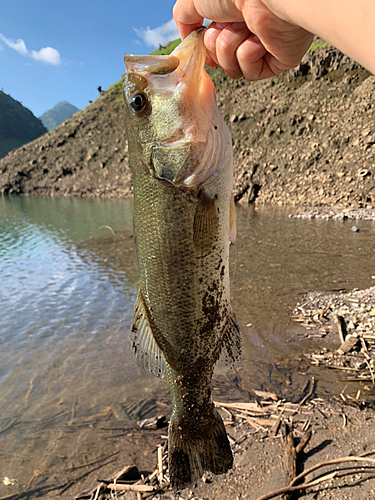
[251,57]
[189,14]
[210,37]
[210,62]
[186,17]
[227,44]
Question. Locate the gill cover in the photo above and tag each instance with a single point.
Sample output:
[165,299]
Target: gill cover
[172,114]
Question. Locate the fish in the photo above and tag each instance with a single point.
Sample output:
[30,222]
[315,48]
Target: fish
[183,325]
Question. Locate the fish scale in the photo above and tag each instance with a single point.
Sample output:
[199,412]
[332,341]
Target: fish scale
[180,155]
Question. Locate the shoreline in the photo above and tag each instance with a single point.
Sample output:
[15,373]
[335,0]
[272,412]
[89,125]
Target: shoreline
[335,213]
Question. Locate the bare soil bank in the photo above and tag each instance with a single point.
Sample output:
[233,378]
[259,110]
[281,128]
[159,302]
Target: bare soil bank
[305,138]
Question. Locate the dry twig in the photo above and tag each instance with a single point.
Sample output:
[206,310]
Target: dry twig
[291,487]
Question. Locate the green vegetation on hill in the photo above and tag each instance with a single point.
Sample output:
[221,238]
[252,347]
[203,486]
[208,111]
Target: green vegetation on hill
[117,87]
[58,114]
[17,124]
[164,51]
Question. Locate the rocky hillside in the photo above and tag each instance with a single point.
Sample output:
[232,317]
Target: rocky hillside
[306,137]
[17,124]
[85,156]
[57,115]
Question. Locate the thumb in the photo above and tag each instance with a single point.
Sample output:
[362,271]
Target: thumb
[187,17]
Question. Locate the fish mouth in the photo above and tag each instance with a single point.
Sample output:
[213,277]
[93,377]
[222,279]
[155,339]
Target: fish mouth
[188,57]
[183,67]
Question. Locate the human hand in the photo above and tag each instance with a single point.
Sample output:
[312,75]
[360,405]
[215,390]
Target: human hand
[247,38]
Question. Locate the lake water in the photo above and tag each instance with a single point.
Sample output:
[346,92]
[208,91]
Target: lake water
[67,289]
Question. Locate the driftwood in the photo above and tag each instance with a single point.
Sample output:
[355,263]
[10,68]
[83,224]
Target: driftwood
[341,327]
[292,452]
[336,473]
[142,488]
[352,314]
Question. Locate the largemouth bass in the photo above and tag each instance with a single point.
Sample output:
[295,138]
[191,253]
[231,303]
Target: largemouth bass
[180,154]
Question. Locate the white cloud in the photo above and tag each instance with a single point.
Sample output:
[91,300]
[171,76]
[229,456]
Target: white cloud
[18,45]
[160,35]
[47,55]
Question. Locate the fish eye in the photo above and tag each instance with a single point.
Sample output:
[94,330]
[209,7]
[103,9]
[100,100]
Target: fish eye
[138,102]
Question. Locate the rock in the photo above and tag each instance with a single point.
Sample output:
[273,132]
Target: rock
[363,172]
[355,229]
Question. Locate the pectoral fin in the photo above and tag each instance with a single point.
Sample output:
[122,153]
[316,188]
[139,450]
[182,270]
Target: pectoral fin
[205,225]
[231,346]
[146,351]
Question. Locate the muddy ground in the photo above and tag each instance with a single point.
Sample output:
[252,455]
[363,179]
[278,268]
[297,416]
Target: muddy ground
[306,138]
[257,434]
[261,455]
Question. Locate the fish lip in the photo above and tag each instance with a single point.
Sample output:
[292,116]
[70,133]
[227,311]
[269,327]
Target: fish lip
[165,64]
[154,65]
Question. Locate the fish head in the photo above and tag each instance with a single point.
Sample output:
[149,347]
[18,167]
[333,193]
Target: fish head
[171,115]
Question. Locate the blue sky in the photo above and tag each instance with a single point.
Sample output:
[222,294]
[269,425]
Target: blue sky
[55,51]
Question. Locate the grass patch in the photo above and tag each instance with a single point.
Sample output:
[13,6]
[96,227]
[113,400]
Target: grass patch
[117,87]
[317,44]
[165,51]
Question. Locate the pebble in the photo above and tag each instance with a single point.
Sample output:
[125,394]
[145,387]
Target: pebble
[357,308]
[336,214]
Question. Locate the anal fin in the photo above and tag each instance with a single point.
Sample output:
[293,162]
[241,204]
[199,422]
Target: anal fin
[231,346]
[146,351]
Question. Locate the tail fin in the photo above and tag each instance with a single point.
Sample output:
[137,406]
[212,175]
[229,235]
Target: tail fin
[191,454]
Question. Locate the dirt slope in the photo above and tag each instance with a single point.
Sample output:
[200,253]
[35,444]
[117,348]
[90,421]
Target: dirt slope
[85,156]
[306,137]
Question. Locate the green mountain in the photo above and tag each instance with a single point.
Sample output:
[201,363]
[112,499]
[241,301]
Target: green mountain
[17,124]
[58,114]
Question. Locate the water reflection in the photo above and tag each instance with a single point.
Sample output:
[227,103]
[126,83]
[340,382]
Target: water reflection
[67,379]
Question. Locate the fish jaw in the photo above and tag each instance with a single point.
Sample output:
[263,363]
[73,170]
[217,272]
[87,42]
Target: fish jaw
[199,86]
[181,121]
